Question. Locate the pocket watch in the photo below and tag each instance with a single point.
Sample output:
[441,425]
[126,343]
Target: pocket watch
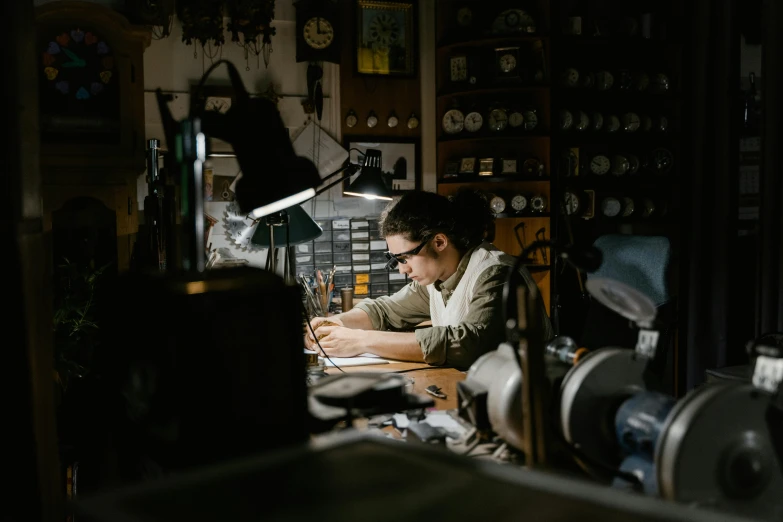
[620,165]
[473,121]
[572,203]
[516,119]
[413,121]
[498,119]
[566,119]
[600,165]
[507,59]
[372,119]
[519,203]
[613,125]
[631,122]
[629,206]
[538,203]
[571,77]
[531,119]
[611,206]
[532,167]
[598,121]
[392,120]
[604,80]
[497,204]
[453,121]
[351,119]
[583,121]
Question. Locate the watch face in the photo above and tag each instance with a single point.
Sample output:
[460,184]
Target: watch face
[633,164]
[613,125]
[631,122]
[598,121]
[531,120]
[372,121]
[600,165]
[515,119]
[566,119]
[498,119]
[583,122]
[661,161]
[459,68]
[464,17]
[538,203]
[392,121]
[384,30]
[572,203]
[620,166]
[507,62]
[531,166]
[571,77]
[413,122]
[497,204]
[509,166]
[453,121]
[629,206]
[611,207]
[318,33]
[604,80]
[519,202]
[351,120]
[473,121]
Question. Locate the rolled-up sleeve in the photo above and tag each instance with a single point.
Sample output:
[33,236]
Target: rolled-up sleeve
[480,332]
[401,310]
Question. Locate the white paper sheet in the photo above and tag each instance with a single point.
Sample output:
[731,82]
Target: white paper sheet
[359,360]
[330,155]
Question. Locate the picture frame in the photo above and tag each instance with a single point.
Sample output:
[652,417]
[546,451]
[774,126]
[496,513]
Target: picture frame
[214,98]
[400,159]
[385,38]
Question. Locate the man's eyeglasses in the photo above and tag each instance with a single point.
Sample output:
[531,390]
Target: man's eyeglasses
[396,259]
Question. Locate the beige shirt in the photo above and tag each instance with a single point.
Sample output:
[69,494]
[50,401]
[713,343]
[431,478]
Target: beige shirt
[482,329]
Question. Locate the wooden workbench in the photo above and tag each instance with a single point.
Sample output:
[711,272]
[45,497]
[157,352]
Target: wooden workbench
[423,375]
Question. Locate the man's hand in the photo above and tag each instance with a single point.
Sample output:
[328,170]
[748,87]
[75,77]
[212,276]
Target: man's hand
[316,323]
[340,341]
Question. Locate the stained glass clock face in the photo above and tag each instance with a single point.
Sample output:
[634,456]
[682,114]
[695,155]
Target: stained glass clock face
[78,64]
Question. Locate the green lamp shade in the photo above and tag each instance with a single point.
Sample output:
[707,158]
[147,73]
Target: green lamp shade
[301,228]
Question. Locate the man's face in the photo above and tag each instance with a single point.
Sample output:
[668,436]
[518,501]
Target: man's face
[424,267]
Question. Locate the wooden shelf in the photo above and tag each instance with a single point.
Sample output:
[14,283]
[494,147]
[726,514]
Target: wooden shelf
[489,41]
[496,89]
[504,137]
[513,178]
[517,215]
[619,41]
[648,139]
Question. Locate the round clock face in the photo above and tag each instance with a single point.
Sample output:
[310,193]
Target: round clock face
[538,203]
[633,164]
[515,119]
[572,203]
[531,166]
[620,166]
[497,204]
[566,119]
[519,202]
[631,122]
[598,121]
[78,64]
[583,122]
[611,207]
[392,121]
[413,122]
[600,165]
[464,16]
[384,30]
[613,125]
[508,62]
[372,120]
[649,207]
[318,33]
[217,103]
[531,120]
[661,161]
[453,121]
[604,80]
[473,121]
[351,120]
[571,77]
[498,119]
[628,207]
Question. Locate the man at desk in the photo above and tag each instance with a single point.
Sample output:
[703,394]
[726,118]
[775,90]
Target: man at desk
[457,284]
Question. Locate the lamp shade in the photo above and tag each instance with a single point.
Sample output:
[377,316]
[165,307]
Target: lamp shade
[301,228]
[370,183]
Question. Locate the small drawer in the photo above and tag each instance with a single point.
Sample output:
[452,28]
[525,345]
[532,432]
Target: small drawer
[326,237]
[379,278]
[341,248]
[325,224]
[342,280]
[323,260]
[341,235]
[342,258]
[377,290]
[320,248]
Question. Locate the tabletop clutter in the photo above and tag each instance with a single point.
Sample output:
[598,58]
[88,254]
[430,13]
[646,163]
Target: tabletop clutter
[319,293]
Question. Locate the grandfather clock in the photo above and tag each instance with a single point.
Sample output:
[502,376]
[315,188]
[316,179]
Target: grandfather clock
[91,98]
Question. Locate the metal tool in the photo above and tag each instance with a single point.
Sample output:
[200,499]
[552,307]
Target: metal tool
[541,236]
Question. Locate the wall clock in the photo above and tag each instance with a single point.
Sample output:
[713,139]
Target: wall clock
[317,31]
[78,64]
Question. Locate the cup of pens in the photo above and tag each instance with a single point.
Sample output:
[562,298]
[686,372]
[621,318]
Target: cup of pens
[318,291]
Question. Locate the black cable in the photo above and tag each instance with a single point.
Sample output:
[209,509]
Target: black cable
[316,339]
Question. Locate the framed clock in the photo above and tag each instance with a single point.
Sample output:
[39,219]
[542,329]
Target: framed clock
[317,31]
